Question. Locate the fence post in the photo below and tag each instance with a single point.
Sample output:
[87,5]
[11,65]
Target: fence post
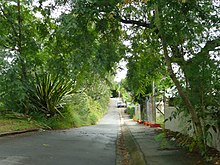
[153,103]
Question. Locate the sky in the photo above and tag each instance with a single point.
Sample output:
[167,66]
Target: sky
[121,71]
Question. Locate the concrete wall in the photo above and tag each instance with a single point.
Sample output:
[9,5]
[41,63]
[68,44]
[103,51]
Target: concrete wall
[180,124]
[149,111]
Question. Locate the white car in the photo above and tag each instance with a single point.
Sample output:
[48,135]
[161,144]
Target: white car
[121,104]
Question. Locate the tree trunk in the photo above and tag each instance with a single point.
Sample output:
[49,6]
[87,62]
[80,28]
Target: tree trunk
[195,118]
[19,42]
[22,56]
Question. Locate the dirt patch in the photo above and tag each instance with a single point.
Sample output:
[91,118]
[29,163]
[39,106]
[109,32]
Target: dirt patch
[123,156]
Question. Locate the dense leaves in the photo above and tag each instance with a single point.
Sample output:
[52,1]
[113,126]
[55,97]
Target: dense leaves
[184,35]
[83,42]
[79,45]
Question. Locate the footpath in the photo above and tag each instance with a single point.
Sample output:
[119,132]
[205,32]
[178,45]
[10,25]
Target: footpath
[143,148]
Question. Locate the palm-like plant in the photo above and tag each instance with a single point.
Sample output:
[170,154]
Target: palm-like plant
[47,95]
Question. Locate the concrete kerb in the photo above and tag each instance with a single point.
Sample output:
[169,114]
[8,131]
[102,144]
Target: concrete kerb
[18,132]
[122,156]
[133,148]
[135,153]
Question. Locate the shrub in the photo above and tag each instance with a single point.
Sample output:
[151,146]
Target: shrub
[131,111]
[79,110]
[47,94]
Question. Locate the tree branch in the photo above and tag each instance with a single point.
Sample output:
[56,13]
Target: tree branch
[138,23]
[210,46]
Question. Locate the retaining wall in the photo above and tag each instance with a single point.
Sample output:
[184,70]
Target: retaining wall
[180,124]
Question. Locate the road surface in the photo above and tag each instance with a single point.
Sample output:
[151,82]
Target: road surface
[92,145]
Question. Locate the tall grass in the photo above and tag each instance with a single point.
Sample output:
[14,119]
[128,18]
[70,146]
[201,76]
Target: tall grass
[79,110]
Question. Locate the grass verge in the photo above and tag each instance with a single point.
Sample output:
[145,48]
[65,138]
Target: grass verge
[10,125]
[80,110]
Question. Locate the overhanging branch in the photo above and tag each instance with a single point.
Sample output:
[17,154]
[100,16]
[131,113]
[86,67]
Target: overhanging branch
[210,46]
[138,23]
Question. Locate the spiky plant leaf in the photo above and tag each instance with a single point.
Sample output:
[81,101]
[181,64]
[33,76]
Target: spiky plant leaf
[48,92]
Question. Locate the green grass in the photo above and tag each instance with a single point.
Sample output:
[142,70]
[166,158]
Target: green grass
[80,110]
[160,120]
[71,118]
[9,125]
[164,143]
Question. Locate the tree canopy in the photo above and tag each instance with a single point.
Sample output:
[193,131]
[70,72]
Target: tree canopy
[176,38]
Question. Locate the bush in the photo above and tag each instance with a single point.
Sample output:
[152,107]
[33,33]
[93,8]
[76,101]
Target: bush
[131,111]
[79,110]
[47,94]
[68,119]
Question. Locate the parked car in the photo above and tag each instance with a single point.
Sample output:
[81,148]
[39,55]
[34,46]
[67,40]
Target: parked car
[121,104]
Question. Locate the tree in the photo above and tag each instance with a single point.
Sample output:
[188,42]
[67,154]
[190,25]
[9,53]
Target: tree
[19,44]
[158,23]
[180,32]
[33,42]
[88,39]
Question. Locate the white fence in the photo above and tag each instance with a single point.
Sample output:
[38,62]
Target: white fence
[180,124]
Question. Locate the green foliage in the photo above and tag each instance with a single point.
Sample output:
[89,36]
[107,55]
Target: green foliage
[164,142]
[48,94]
[79,110]
[84,110]
[85,43]
[160,120]
[12,90]
[20,46]
[89,38]
[35,43]
[124,92]
[187,142]
[144,67]
[131,111]
[69,119]
[183,33]
[11,121]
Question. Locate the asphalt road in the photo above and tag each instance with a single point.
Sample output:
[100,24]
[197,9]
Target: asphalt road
[93,145]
